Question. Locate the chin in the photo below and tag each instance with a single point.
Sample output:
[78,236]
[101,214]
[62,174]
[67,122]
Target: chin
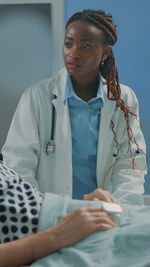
[74,72]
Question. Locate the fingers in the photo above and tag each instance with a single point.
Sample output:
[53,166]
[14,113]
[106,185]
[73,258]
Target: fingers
[102,217]
[105,227]
[103,221]
[106,220]
[96,215]
[110,197]
[103,195]
[97,194]
[89,197]
[90,209]
[100,194]
[76,226]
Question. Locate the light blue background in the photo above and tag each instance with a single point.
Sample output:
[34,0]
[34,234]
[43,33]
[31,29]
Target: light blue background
[132,50]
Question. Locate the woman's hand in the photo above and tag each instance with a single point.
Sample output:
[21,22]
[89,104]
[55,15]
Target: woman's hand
[81,223]
[70,230]
[100,194]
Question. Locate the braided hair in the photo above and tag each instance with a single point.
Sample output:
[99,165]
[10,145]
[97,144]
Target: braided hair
[108,68]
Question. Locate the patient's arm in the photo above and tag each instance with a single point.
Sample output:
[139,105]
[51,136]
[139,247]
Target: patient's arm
[71,229]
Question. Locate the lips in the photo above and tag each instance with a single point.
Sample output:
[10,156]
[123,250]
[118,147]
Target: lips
[73,65]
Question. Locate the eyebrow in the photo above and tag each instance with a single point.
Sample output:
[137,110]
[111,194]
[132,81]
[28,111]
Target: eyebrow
[81,40]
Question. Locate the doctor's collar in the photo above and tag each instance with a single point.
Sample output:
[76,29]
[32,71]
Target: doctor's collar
[69,91]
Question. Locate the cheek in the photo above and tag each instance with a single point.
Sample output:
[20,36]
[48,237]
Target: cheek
[98,57]
[64,52]
[94,59]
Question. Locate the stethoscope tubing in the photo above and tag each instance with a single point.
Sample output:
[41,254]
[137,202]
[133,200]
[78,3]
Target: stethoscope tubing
[50,147]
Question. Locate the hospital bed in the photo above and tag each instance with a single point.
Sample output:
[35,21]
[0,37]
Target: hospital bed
[126,245]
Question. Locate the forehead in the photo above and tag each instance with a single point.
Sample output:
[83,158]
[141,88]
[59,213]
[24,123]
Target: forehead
[84,30]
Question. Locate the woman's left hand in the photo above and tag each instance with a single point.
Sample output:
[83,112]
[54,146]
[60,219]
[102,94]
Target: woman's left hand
[103,195]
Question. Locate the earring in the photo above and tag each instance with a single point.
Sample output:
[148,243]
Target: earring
[102,63]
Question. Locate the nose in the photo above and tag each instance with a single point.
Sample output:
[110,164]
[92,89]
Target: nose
[74,53]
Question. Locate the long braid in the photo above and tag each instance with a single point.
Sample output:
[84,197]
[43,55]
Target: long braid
[108,68]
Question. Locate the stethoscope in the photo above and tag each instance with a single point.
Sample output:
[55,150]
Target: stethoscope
[50,146]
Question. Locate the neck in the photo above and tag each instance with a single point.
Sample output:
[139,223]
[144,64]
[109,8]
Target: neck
[86,90]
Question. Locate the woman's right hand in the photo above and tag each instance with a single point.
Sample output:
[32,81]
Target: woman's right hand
[76,226]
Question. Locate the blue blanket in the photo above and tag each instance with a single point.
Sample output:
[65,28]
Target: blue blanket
[126,245]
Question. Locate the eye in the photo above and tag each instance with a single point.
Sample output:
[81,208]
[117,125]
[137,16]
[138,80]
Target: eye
[68,44]
[86,47]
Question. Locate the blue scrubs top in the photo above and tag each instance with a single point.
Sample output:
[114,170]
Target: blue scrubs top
[85,122]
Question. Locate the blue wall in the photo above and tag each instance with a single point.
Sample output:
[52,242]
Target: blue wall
[131,50]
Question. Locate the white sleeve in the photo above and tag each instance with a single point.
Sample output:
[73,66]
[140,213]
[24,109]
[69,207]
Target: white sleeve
[22,147]
[128,183]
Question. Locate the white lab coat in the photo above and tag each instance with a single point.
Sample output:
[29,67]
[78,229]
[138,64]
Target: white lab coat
[25,147]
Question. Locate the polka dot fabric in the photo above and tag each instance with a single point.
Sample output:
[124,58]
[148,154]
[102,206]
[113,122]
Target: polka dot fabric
[19,206]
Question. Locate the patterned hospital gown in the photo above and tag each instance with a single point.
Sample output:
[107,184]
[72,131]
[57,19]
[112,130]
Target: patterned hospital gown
[19,206]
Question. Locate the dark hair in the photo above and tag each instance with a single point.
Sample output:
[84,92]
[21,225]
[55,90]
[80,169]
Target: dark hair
[108,68]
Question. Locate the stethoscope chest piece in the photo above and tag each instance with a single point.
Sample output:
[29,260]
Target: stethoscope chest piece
[50,148]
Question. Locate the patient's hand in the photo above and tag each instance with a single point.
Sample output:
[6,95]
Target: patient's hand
[81,223]
[103,195]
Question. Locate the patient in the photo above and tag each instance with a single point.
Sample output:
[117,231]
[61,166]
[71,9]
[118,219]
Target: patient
[54,230]
[20,206]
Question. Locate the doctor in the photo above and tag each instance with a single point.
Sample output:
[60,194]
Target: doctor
[91,120]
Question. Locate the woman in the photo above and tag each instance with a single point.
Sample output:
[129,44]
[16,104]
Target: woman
[61,223]
[98,141]
[20,207]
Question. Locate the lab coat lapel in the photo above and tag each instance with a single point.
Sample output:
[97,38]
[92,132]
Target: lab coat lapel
[63,130]
[62,110]
[105,133]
